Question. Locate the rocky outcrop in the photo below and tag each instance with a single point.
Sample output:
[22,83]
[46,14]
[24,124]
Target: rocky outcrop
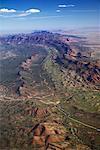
[28,63]
[46,134]
[38,112]
[53,136]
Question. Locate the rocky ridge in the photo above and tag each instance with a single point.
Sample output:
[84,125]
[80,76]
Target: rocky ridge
[67,69]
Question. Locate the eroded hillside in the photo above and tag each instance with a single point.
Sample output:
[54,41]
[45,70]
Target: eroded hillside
[49,93]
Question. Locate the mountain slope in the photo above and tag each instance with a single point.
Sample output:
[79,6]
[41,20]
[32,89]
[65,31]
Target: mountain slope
[49,93]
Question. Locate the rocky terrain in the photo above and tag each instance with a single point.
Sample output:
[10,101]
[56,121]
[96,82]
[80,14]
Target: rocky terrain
[50,96]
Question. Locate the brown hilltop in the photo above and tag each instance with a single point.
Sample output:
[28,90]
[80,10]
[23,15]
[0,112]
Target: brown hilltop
[53,136]
[38,112]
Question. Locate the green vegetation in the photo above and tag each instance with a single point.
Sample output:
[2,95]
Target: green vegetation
[54,72]
[9,67]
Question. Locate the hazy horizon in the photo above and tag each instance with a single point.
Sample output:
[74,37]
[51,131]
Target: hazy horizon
[25,16]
